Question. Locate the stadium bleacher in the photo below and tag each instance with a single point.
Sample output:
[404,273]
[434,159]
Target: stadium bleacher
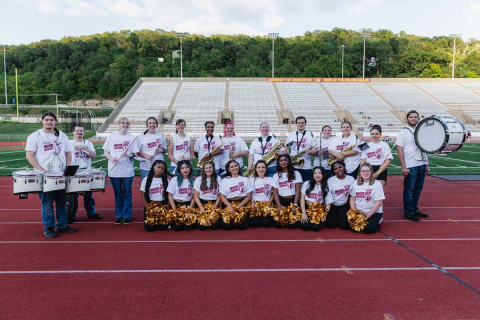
[450,94]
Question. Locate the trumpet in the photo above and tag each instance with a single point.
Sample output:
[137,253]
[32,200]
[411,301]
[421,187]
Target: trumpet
[209,159]
[297,159]
[232,151]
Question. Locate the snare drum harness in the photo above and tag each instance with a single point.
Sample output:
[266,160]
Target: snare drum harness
[55,154]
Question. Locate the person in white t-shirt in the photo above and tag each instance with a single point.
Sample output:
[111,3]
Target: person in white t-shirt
[82,154]
[414,165]
[339,187]
[151,146]
[339,144]
[119,149]
[205,144]
[235,188]
[378,155]
[313,191]
[180,191]
[286,183]
[154,189]
[180,146]
[234,148]
[323,142]
[302,140]
[49,150]
[261,192]
[262,146]
[206,190]
[367,196]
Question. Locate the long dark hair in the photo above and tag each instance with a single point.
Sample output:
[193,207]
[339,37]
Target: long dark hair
[51,114]
[376,127]
[146,123]
[291,169]
[213,179]
[179,174]
[228,174]
[323,183]
[150,179]
[178,122]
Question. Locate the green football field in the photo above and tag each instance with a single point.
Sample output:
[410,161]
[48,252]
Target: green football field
[465,161]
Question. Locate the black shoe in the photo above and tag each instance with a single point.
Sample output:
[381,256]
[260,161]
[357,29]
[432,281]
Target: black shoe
[127,221]
[421,215]
[411,217]
[95,216]
[70,220]
[67,229]
[118,221]
[49,232]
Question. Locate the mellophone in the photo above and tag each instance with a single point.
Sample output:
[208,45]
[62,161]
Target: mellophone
[27,181]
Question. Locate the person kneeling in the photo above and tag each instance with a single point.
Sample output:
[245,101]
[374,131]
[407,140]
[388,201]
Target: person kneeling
[314,192]
[154,192]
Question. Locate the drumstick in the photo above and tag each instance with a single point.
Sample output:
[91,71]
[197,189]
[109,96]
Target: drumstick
[124,152]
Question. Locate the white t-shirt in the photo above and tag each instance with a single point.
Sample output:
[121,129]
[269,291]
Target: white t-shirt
[202,147]
[259,149]
[156,189]
[300,144]
[239,146]
[147,143]
[316,195]
[285,187]
[366,195]
[377,153]
[339,190]
[235,187]
[180,145]
[339,143]
[79,157]
[45,149]
[262,188]
[182,194]
[209,193]
[406,139]
[115,145]
[322,145]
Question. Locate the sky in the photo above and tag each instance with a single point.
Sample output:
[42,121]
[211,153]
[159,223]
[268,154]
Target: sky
[27,21]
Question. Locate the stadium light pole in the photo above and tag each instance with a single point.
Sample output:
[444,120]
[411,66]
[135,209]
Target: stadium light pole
[273,35]
[454,35]
[343,47]
[181,35]
[5,72]
[364,36]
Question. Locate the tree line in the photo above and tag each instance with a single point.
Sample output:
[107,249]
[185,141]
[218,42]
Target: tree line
[107,65]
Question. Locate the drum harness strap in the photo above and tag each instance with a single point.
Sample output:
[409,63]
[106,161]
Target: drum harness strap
[82,156]
[55,154]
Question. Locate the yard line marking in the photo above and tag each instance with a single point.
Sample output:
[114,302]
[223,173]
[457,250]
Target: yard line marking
[346,269]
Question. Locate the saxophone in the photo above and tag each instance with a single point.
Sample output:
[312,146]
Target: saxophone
[332,160]
[209,159]
[297,159]
[268,158]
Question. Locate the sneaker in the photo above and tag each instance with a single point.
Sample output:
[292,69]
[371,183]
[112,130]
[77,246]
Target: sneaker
[67,229]
[95,216]
[127,221]
[421,215]
[70,220]
[411,217]
[49,232]
[118,221]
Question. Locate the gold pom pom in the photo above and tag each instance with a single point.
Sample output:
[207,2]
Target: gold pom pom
[316,213]
[210,216]
[286,217]
[357,220]
[184,215]
[157,214]
[263,209]
[237,217]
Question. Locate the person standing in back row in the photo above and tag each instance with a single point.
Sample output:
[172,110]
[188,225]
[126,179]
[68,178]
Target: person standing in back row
[302,141]
[414,165]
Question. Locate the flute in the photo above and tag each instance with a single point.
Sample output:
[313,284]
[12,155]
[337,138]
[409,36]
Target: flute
[154,152]
[124,152]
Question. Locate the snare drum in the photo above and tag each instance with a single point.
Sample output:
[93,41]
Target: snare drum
[53,181]
[98,179]
[79,183]
[27,182]
[440,135]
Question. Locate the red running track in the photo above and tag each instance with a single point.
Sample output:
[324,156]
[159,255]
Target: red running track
[426,270]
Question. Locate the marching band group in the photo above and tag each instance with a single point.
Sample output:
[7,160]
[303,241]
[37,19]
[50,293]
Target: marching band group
[346,174]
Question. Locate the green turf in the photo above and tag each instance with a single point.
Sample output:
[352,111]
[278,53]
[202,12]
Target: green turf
[465,161]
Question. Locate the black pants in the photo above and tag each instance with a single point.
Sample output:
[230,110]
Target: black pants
[337,217]
[383,176]
[260,222]
[214,226]
[285,202]
[149,227]
[373,223]
[180,227]
[310,225]
[354,173]
[229,226]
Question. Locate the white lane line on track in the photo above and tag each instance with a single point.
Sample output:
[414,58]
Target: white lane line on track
[233,270]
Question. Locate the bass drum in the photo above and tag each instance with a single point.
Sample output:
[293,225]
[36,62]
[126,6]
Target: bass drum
[440,135]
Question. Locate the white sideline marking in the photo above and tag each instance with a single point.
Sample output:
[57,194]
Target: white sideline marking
[234,270]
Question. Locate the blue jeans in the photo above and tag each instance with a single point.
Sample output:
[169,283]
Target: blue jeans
[271,171]
[306,174]
[354,173]
[48,214]
[88,203]
[412,187]
[144,173]
[123,197]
